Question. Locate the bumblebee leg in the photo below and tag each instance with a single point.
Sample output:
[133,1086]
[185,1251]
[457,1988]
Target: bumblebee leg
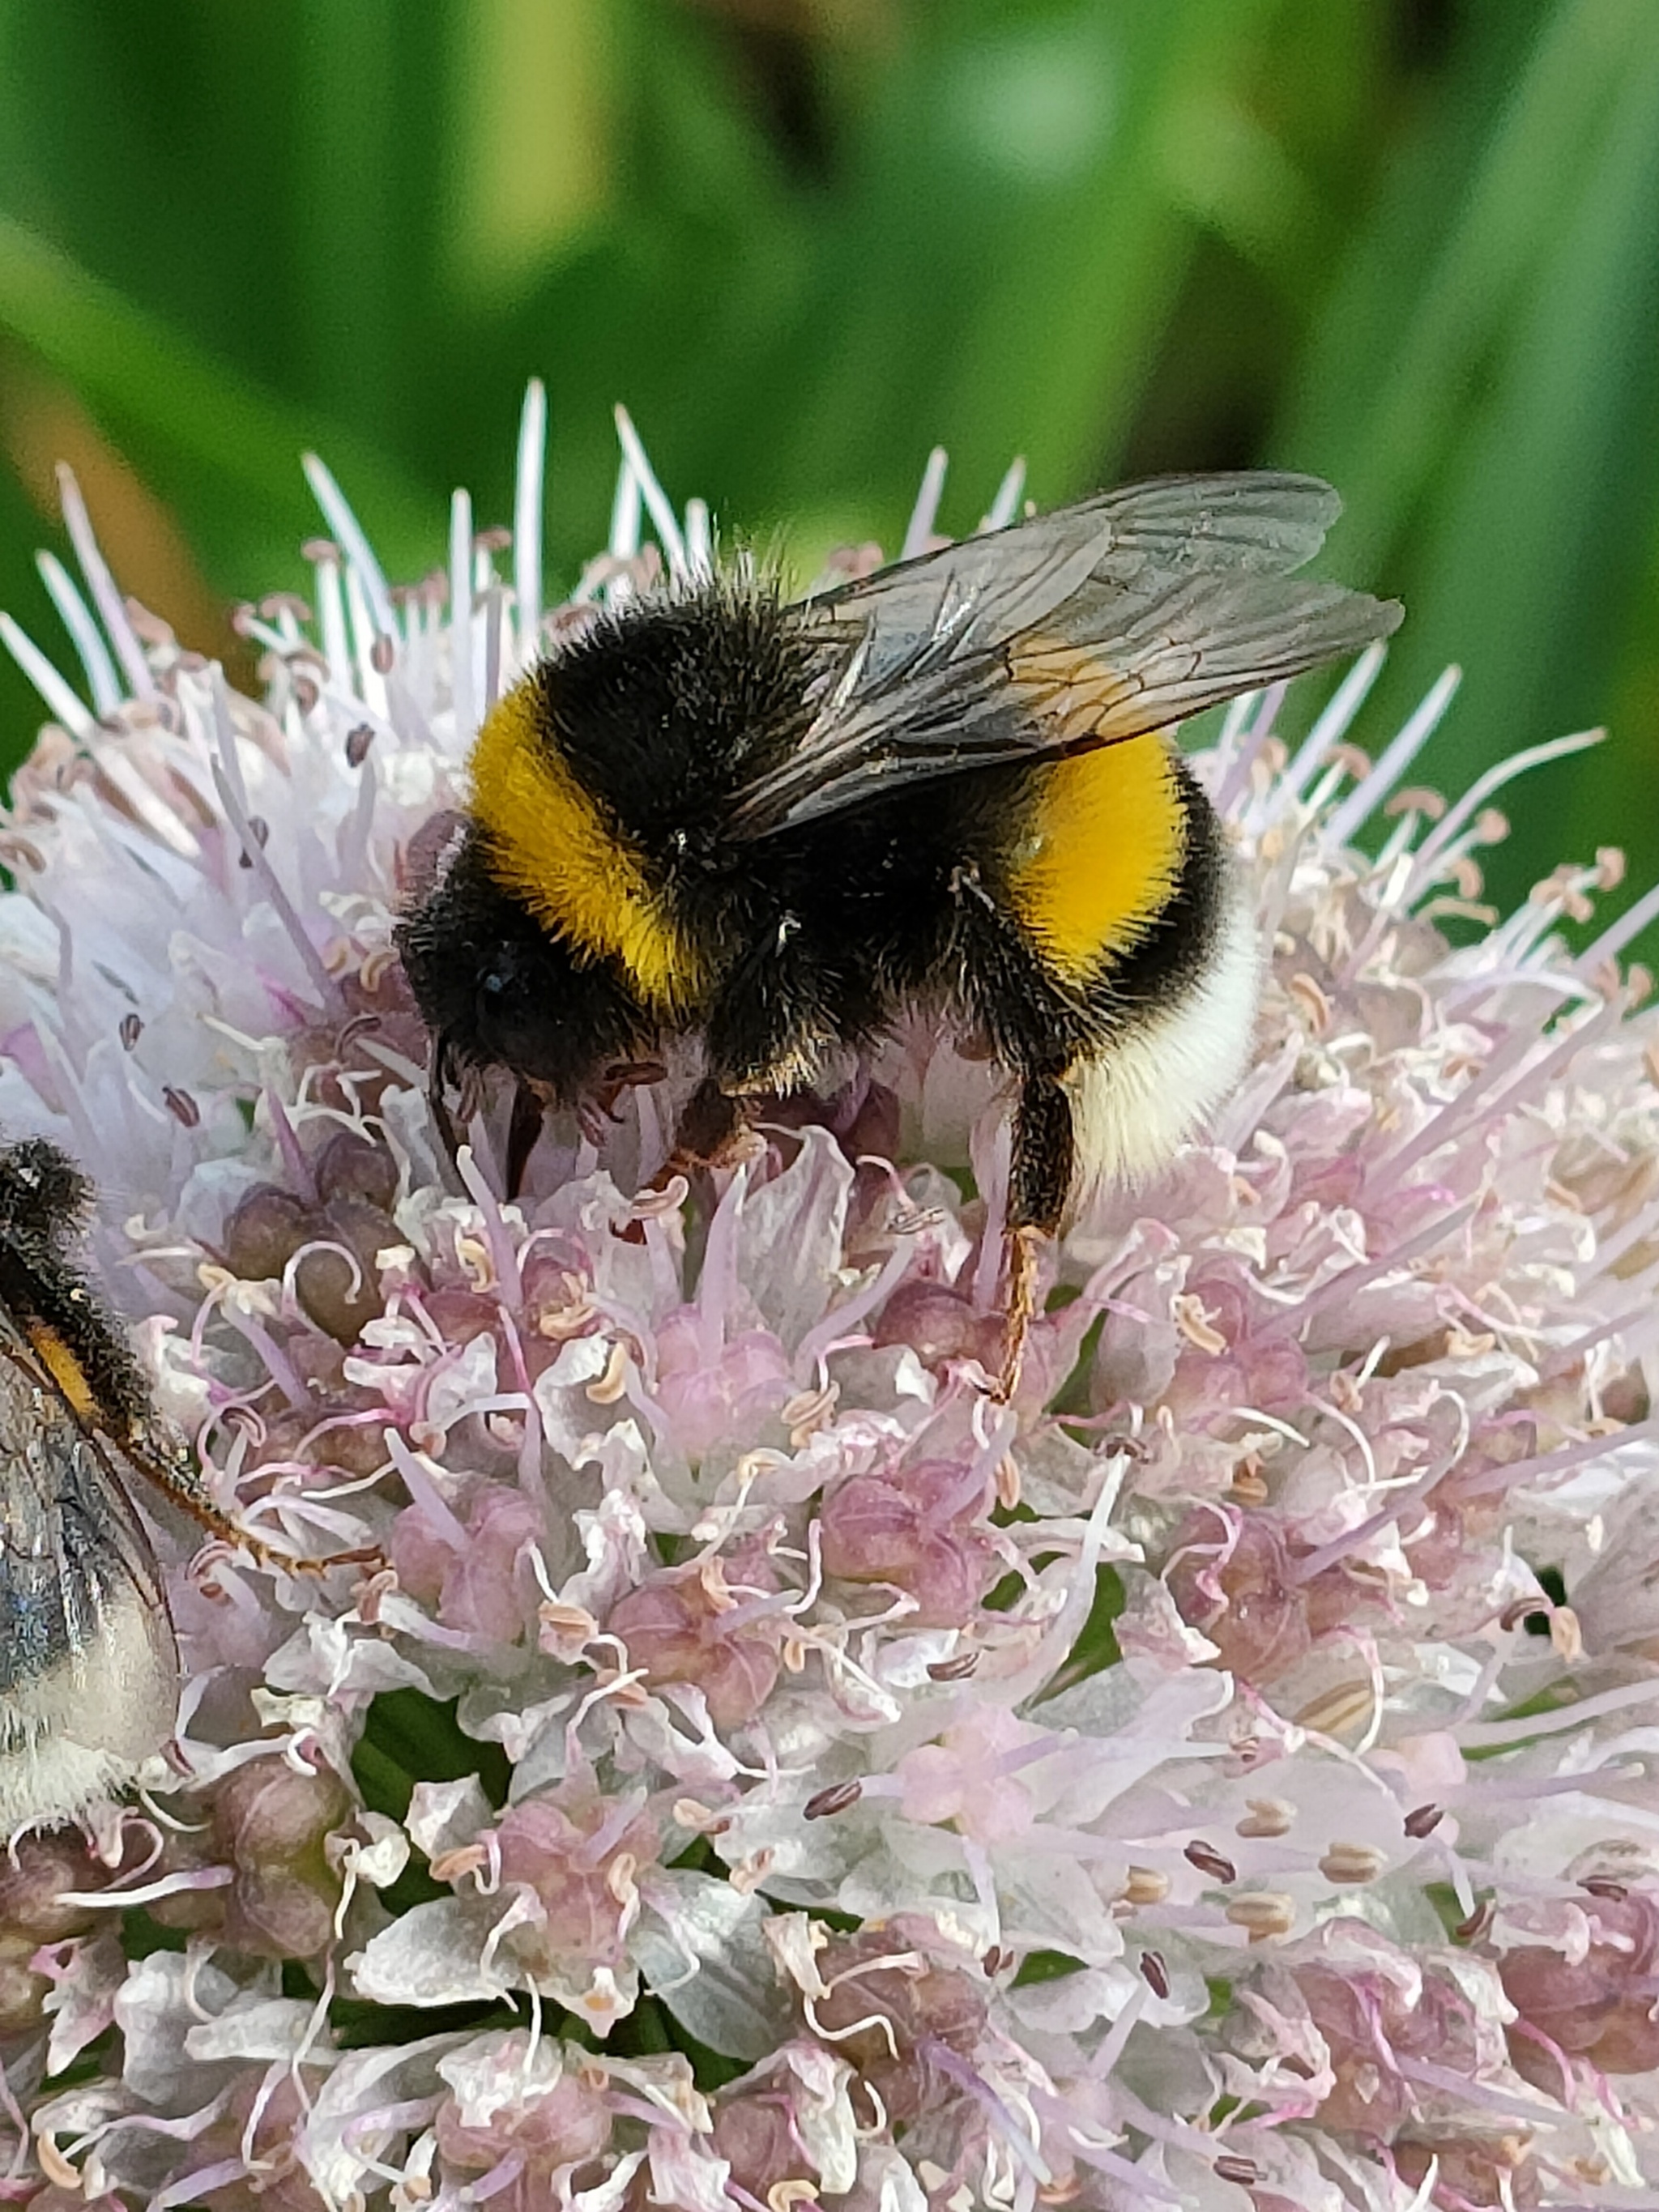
[1020,1248]
[168,1463]
[1039,1182]
[778,1012]
[163,1458]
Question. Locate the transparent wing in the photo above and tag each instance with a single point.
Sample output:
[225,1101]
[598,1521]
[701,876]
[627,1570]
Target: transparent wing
[1076,630]
[88,1667]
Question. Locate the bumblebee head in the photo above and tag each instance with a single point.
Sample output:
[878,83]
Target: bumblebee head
[498,990]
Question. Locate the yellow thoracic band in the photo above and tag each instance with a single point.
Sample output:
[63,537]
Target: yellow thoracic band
[1103,855]
[554,849]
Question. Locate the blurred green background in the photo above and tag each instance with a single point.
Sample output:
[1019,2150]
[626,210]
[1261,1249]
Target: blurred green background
[1411,244]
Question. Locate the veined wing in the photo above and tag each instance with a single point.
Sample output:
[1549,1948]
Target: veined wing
[1078,629]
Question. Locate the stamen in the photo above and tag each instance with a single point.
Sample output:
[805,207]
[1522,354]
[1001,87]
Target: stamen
[699,538]
[664,520]
[111,606]
[60,700]
[1397,757]
[919,531]
[106,685]
[1004,506]
[528,495]
[624,540]
[1333,724]
[1484,787]
[347,531]
[460,617]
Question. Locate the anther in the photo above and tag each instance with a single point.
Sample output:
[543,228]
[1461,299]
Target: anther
[1206,1857]
[836,1799]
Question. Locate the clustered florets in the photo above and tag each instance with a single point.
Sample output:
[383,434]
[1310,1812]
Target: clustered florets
[754,1769]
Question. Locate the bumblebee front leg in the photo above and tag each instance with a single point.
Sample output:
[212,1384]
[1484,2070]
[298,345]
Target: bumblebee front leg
[1039,1183]
[764,1036]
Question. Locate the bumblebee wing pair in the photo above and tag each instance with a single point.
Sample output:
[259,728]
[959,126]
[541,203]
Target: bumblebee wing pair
[1122,615]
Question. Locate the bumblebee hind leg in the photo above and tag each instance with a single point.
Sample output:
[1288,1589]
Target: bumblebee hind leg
[1039,1183]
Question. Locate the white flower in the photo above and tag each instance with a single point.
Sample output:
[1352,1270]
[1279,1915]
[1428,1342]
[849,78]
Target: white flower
[1201,1796]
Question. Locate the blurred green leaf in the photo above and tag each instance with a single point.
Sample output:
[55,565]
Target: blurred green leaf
[163,389]
[1484,388]
[1533,517]
[1484,190]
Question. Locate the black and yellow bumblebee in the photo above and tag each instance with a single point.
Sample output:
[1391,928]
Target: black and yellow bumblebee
[769,826]
[89,1666]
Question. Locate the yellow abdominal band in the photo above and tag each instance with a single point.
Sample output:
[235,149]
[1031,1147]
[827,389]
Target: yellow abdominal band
[1103,855]
[553,848]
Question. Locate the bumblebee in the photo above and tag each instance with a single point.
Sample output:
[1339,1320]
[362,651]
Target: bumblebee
[952,785]
[89,1666]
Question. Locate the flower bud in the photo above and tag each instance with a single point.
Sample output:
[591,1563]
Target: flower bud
[570,1846]
[271,1824]
[709,1398]
[687,1625]
[1230,1583]
[756,2135]
[33,1874]
[914,1528]
[939,1323]
[1599,2006]
[349,1166]
[531,2104]
[340,1297]
[889,2005]
[266,1229]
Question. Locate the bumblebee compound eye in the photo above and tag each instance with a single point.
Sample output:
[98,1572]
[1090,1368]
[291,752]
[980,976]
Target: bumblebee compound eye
[505,1015]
